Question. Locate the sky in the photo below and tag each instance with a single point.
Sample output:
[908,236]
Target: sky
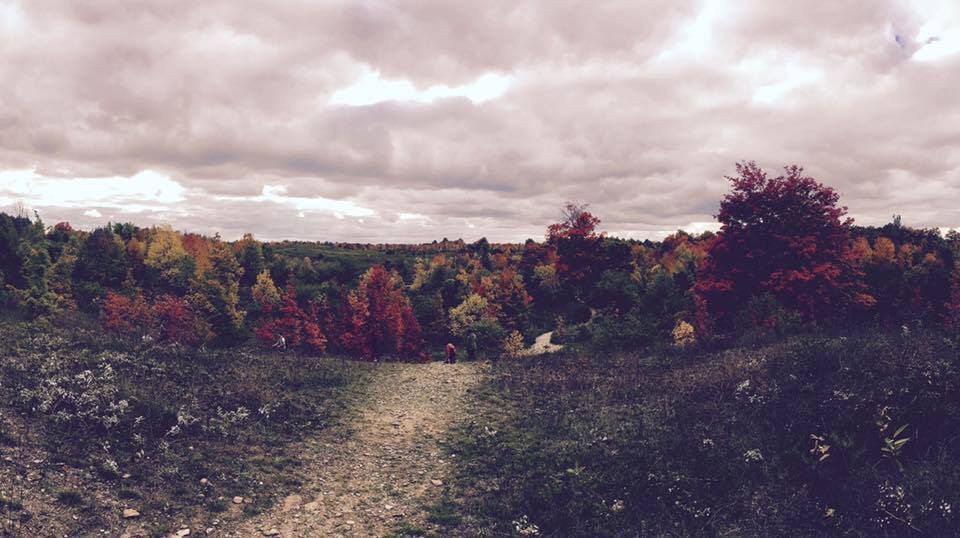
[408,121]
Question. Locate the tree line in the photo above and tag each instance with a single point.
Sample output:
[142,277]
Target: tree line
[786,256]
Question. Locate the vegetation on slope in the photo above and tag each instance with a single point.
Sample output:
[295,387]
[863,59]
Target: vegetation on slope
[172,432]
[815,435]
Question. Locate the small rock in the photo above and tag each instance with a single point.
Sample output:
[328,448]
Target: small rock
[388,507]
[209,530]
[182,532]
[271,532]
[204,481]
[311,506]
[130,513]
[126,476]
[436,482]
[238,500]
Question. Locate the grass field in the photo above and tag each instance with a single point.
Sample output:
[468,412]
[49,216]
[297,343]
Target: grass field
[786,439]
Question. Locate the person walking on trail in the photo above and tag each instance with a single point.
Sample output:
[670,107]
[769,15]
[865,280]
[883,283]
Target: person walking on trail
[451,354]
[281,344]
[472,346]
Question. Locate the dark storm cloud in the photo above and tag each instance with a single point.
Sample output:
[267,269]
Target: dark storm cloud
[637,107]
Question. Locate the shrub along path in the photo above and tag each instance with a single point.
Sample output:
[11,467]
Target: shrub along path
[387,464]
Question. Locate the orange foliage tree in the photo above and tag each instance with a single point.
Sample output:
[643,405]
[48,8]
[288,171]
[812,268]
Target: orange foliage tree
[178,322]
[299,327]
[170,318]
[126,315]
[379,320]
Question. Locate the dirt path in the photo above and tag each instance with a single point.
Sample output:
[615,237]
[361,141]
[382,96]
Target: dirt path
[390,463]
[542,345]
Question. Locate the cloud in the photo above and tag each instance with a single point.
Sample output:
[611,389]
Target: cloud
[277,194]
[383,121]
[146,190]
[371,89]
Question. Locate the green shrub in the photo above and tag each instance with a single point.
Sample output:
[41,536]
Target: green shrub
[69,497]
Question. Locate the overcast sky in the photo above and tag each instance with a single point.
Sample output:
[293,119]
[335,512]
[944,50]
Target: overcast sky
[413,120]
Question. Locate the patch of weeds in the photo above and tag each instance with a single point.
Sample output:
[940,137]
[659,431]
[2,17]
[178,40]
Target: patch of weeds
[160,529]
[107,472]
[260,462]
[180,492]
[69,497]
[128,494]
[445,513]
[7,440]
[285,462]
[218,506]
[257,507]
[10,505]
[291,480]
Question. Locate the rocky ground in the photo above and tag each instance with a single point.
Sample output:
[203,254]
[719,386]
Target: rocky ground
[375,475]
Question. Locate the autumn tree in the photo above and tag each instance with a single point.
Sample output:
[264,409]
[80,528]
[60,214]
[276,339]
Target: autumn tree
[126,315]
[177,321]
[578,246]
[475,315]
[136,255]
[250,256]
[198,248]
[507,297]
[265,292]
[379,318]
[60,279]
[314,339]
[216,293]
[166,256]
[299,327]
[60,238]
[786,236]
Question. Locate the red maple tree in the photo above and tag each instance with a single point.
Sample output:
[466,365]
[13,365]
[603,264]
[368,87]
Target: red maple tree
[577,245]
[126,315]
[379,319]
[178,322]
[783,235]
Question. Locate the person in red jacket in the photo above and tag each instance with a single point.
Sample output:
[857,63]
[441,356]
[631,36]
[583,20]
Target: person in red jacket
[451,354]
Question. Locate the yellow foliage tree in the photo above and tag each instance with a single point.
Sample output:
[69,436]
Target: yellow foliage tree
[683,334]
[165,252]
[265,291]
[884,251]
